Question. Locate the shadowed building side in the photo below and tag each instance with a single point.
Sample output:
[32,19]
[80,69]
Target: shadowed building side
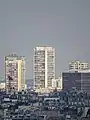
[79,80]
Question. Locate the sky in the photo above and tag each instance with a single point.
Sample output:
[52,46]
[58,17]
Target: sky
[62,24]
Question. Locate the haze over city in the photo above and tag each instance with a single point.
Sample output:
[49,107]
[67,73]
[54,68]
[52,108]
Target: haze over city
[62,24]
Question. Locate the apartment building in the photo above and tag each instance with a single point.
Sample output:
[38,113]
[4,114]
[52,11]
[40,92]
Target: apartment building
[78,65]
[14,69]
[44,67]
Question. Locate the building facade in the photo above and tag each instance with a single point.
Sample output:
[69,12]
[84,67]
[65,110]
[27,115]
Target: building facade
[2,85]
[44,67]
[57,83]
[78,80]
[78,65]
[14,69]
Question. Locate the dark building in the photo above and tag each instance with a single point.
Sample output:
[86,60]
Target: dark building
[79,80]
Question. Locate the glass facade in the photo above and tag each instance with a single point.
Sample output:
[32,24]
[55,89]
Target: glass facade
[71,80]
[85,82]
[81,81]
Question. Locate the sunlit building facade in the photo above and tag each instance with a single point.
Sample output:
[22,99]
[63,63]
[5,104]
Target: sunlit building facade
[2,85]
[15,68]
[57,83]
[44,67]
[78,65]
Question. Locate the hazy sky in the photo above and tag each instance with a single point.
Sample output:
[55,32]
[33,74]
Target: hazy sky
[63,24]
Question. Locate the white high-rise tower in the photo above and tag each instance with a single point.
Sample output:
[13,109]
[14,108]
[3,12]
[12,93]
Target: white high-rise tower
[44,67]
[15,69]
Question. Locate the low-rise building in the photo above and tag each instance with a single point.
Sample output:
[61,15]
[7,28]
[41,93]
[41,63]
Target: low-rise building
[2,85]
[78,65]
[57,83]
[79,80]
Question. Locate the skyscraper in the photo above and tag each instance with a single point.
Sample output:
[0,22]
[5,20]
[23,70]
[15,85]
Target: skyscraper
[14,72]
[44,67]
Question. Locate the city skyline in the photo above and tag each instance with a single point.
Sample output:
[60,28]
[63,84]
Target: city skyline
[64,25]
[67,69]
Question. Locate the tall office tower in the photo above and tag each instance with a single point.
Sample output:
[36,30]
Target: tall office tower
[14,72]
[44,67]
[78,65]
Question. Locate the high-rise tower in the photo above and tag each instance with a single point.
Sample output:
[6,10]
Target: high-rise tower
[14,72]
[44,67]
